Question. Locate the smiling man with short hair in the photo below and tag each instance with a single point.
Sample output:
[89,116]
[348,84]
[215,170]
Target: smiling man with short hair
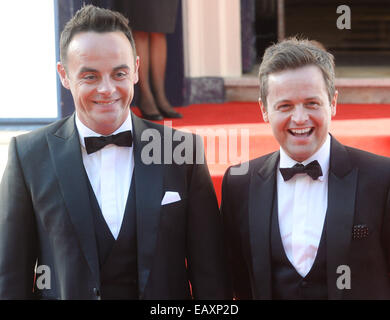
[78,200]
[301,213]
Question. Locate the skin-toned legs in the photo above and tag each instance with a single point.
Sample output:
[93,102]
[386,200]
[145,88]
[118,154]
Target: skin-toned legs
[147,104]
[152,49]
[158,61]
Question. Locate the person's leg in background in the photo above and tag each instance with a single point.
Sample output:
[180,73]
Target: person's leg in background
[146,103]
[158,62]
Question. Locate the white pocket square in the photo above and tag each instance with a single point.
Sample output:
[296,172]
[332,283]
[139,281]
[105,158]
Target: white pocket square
[169,197]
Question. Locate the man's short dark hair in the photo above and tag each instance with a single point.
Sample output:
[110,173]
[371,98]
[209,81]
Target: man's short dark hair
[95,19]
[294,53]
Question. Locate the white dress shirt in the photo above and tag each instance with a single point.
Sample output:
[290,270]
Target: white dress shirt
[302,205]
[109,171]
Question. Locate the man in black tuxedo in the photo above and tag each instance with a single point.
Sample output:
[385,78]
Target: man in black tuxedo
[84,200]
[312,220]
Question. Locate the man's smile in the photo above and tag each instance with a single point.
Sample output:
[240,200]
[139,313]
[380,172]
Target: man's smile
[105,102]
[301,132]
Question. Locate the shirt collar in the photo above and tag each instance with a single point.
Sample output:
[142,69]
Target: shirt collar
[84,131]
[322,156]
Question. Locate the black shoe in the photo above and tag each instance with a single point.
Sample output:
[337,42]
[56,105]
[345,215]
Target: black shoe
[152,117]
[170,114]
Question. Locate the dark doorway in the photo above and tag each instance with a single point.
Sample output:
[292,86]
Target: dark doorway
[258,31]
[368,40]
[266,28]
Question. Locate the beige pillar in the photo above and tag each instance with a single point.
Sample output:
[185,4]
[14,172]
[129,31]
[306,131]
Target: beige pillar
[212,38]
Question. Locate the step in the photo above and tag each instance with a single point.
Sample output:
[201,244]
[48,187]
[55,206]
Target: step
[351,90]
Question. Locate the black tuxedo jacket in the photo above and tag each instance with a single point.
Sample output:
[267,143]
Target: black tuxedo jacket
[358,194]
[46,219]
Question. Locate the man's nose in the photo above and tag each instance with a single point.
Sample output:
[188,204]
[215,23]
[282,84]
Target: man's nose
[300,115]
[106,86]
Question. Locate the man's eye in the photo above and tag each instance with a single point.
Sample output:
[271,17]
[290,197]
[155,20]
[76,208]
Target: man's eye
[89,77]
[312,104]
[283,107]
[120,74]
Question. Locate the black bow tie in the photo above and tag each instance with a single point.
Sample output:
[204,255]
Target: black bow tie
[313,169]
[123,139]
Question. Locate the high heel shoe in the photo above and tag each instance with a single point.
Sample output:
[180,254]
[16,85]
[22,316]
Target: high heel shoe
[152,117]
[170,114]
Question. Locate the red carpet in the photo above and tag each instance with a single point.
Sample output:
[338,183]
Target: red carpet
[362,126]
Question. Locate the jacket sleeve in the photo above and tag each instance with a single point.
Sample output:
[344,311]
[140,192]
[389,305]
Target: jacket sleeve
[18,236]
[236,261]
[386,232]
[206,252]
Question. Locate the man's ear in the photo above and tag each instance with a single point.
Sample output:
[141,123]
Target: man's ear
[136,76]
[333,103]
[263,110]
[62,74]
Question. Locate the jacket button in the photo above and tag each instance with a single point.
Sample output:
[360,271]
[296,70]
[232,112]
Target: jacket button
[304,284]
[96,292]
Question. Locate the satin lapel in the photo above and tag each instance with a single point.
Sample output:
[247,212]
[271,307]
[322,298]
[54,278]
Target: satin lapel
[148,189]
[65,152]
[261,194]
[341,207]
